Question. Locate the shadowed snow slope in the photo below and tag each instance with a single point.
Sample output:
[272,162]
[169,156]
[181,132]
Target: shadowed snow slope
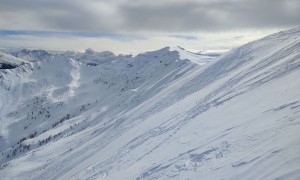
[8,62]
[167,114]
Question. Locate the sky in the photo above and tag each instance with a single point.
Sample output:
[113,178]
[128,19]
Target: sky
[133,26]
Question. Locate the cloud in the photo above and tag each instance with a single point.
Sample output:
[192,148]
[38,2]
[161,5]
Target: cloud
[205,41]
[140,25]
[119,37]
[185,37]
[181,16]
[139,16]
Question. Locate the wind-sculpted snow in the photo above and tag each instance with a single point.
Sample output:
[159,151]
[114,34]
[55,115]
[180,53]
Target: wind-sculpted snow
[157,115]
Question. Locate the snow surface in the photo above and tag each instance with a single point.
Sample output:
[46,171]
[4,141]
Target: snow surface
[9,60]
[30,55]
[193,57]
[167,114]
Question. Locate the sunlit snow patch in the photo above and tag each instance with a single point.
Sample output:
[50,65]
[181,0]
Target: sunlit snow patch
[200,59]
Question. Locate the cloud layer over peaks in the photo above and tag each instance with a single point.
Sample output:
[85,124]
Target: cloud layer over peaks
[128,16]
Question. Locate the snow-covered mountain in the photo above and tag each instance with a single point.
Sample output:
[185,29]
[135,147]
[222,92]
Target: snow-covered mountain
[166,114]
[31,55]
[9,62]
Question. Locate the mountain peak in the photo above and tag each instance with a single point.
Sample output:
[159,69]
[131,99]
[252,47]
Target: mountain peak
[200,59]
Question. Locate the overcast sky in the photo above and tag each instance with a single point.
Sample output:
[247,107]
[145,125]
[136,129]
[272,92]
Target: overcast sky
[132,26]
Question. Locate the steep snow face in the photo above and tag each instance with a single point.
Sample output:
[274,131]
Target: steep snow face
[8,62]
[155,115]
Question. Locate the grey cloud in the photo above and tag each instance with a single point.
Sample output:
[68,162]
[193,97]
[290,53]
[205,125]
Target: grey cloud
[132,16]
[58,15]
[208,16]
[185,37]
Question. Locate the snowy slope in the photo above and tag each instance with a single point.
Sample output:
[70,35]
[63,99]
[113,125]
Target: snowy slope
[31,55]
[155,115]
[193,57]
[8,62]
